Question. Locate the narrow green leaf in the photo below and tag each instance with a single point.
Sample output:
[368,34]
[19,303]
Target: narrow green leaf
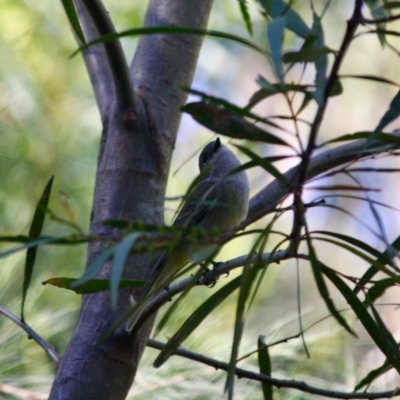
[275,30]
[379,288]
[384,259]
[293,21]
[365,318]
[383,137]
[195,320]
[248,277]
[374,374]
[306,55]
[95,266]
[34,233]
[73,19]
[173,30]
[246,16]
[374,78]
[390,252]
[120,257]
[91,286]
[379,265]
[318,268]
[377,11]
[391,114]
[263,163]
[264,363]
[321,63]
[226,123]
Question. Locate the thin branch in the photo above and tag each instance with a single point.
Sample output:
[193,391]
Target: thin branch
[31,334]
[208,277]
[116,60]
[279,383]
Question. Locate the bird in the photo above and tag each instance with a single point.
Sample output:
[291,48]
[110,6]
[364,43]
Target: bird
[218,203]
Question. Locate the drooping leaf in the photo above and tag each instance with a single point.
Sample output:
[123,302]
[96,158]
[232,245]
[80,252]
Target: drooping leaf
[246,16]
[383,137]
[91,286]
[173,30]
[73,19]
[263,163]
[373,270]
[318,269]
[293,21]
[379,288]
[226,123]
[121,254]
[321,63]
[374,374]
[195,319]
[34,232]
[365,318]
[377,11]
[391,114]
[275,31]
[308,54]
[264,363]
[95,266]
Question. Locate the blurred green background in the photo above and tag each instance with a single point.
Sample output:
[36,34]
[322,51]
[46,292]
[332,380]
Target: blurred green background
[49,125]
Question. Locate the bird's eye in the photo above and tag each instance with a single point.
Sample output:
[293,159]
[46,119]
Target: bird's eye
[204,159]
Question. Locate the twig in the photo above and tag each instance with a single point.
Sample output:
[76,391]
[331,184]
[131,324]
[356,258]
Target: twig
[31,334]
[279,383]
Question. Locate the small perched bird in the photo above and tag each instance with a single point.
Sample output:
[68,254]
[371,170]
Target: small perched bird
[217,204]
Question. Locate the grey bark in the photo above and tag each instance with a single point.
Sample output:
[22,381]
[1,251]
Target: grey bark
[133,164]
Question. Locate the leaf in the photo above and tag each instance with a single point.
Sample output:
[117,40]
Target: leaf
[374,78]
[365,318]
[265,164]
[226,123]
[383,137]
[73,19]
[374,374]
[293,21]
[247,279]
[121,254]
[34,232]
[173,30]
[377,11]
[306,55]
[321,63]
[390,252]
[91,286]
[95,266]
[378,289]
[264,362]
[268,89]
[246,16]
[317,268]
[275,31]
[342,187]
[390,115]
[195,320]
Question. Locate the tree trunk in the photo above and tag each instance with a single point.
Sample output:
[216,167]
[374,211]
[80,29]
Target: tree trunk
[139,132]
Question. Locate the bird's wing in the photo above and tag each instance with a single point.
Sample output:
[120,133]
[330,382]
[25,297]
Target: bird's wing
[198,204]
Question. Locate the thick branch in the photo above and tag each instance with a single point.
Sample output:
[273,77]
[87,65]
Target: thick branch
[114,53]
[267,199]
[96,62]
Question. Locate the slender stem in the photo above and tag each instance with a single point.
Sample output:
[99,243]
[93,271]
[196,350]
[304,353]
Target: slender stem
[31,334]
[279,383]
